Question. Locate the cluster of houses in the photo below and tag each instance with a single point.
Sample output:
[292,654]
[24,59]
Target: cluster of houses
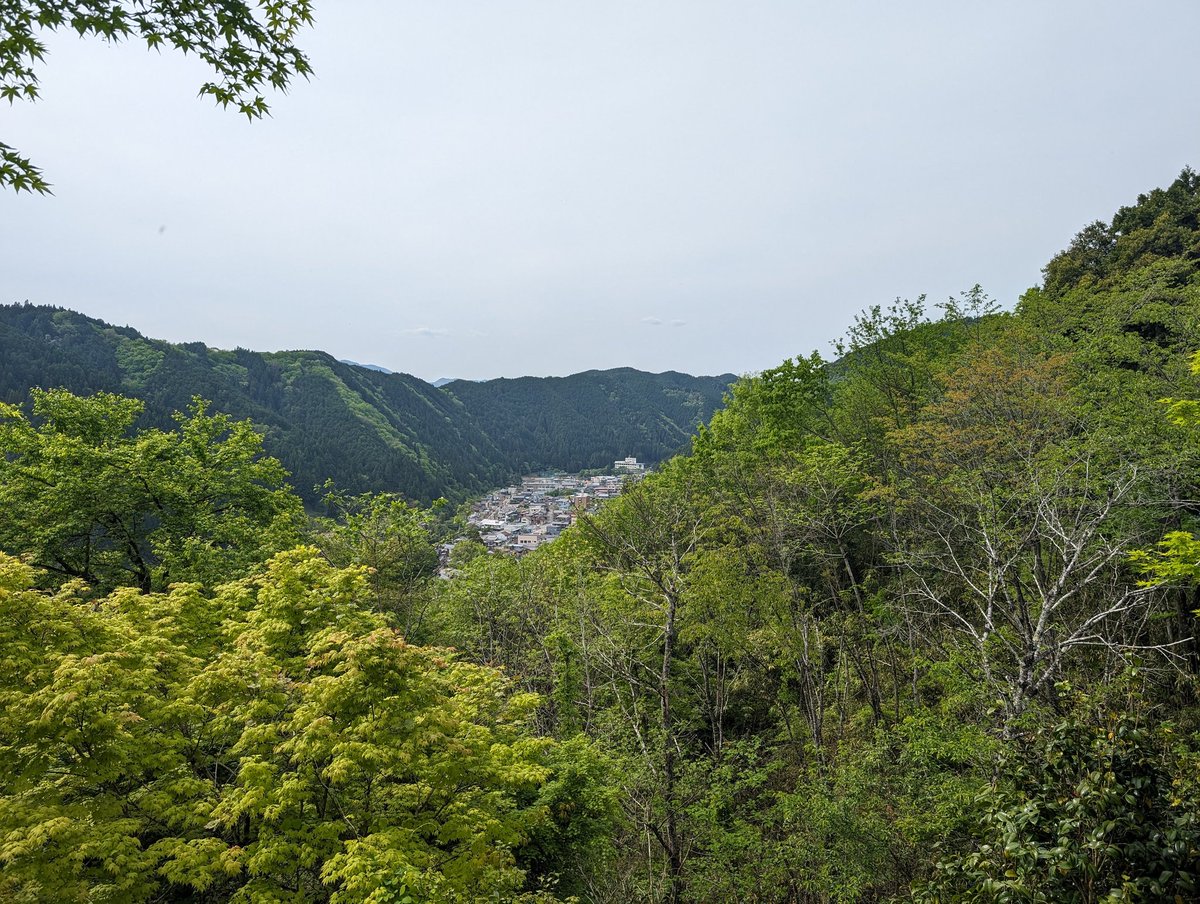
[521,518]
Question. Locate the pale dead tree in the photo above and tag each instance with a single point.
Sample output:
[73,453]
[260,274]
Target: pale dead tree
[1029,575]
[646,541]
[1014,517]
[718,674]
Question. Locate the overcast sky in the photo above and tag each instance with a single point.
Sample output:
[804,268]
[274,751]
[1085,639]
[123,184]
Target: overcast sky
[506,188]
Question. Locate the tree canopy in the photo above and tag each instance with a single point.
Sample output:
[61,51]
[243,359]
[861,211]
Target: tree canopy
[86,498]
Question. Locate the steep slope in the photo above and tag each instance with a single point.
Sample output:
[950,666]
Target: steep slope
[1129,291]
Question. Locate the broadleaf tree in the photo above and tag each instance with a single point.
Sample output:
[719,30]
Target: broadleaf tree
[86,498]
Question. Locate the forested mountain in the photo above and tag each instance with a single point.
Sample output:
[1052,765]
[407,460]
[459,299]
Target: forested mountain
[922,626]
[365,429]
[574,422]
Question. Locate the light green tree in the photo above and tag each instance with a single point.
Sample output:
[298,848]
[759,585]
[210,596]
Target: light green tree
[277,741]
[85,497]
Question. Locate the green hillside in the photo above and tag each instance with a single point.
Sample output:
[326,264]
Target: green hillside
[366,429]
[588,419]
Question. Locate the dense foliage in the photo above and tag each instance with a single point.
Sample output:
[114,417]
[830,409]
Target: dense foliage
[366,430]
[86,500]
[272,741]
[919,624]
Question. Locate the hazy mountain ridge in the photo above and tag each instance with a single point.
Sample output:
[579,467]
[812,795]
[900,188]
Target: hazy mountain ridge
[362,427]
[377,367]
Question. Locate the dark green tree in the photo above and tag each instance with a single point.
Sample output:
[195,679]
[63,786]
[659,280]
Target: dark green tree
[394,541]
[1083,811]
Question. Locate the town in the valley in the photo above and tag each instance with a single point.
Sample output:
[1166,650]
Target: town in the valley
[521,518]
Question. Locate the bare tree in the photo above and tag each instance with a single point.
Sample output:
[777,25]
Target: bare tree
[1017,528]
[1027,585]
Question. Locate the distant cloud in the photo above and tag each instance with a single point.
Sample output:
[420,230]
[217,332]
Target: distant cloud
[653,321]
[678,323]
[426,332]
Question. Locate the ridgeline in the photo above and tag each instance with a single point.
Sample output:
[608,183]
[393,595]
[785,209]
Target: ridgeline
[366,429]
